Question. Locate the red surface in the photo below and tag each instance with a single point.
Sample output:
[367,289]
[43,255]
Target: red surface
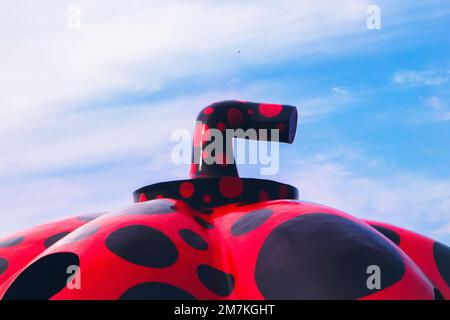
[21,255]
[106,276]
[419,249]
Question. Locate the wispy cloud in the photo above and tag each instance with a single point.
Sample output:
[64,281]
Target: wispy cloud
[61,89]
[96,136]
[339,92]
[435,106]
[440,108]
[49,69]
[421,78]
[407,199]
[68,114]
[336,100]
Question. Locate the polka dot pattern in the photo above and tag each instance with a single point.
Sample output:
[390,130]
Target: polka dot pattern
[186,189]
[209,193]
[234,117]
[168,249]
[215,280]
[3,265]
[231,187]
[328,255]
[11,242]
[270,110]
[155,291]
[193,239]
[208,110]
[218,184]
[43,278]
[205,224]
[388,233]
[441,254]
[250,221]
[142,197]
[234,114]
[142,245]
[54,238]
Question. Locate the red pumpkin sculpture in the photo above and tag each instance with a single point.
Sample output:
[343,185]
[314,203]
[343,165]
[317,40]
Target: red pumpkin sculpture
[218,236]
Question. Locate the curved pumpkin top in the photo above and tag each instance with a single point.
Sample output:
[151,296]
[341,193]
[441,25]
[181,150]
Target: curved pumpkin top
[192,245]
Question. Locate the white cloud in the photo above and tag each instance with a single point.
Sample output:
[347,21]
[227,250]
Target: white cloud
[53,78]
[313,108]
[408,200]
[92,137]
[440,109]
[48,68]
[51,75]
[421,78]
[437,106]
[339,92]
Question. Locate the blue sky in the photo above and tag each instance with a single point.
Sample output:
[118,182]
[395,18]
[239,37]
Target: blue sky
[86,115]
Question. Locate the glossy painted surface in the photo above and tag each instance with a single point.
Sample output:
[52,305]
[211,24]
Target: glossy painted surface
[237,252]
[218,236]
[432,257]
[227,116]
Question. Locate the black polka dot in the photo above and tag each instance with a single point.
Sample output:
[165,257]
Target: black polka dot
[203,223]
[438,295]
[388,233]
[143,245]
[3,265]
[193,239]
[205,210]
[10,242]
[323,256]
[250,221]
[442,257]
[159,206]
[155,291]
[43,278]
[90,217]
[215,280]
[55,238]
